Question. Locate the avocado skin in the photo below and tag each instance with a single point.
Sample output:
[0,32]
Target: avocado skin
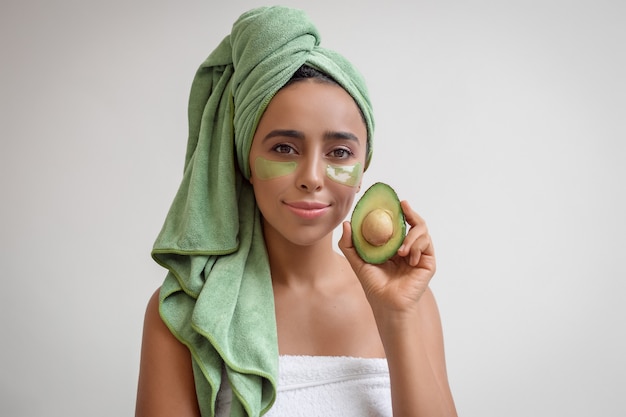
[378,196]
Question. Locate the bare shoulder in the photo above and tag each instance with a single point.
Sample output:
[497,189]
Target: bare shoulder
[166,385]
[157,338]
[153,324]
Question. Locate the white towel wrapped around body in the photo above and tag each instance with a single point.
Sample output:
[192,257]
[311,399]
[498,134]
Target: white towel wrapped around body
[326,386]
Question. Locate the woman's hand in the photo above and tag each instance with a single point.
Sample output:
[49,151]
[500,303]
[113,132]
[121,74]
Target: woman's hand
[398,284]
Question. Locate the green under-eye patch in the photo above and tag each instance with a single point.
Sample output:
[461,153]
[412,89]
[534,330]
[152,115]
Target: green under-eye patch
[349,175]
[266,169]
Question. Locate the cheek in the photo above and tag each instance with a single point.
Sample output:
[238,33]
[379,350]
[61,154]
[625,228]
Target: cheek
[265,169]
[345,200]
[349,175]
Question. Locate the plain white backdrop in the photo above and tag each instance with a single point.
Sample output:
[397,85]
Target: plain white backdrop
[503,122]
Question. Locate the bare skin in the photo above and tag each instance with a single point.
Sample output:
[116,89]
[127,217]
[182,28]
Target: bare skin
[330,305]
[166,385]
[348,307]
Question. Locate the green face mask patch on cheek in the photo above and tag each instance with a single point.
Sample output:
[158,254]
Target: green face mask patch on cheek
[266,169]
[349,175]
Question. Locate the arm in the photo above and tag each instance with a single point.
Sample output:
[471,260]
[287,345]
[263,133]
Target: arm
[408,321]
[166,385]
[417,368]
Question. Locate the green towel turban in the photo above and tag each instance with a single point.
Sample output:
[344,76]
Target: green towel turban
[217,297]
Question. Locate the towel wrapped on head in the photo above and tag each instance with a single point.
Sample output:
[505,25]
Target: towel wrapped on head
[217,297]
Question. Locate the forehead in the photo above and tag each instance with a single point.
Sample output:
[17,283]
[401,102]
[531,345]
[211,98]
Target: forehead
[310,106]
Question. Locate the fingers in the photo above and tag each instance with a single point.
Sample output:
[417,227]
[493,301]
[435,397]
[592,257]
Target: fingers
[412,218]
[346,246]
[417,243]
[417,248]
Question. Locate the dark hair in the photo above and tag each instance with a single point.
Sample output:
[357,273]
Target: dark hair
[305,72]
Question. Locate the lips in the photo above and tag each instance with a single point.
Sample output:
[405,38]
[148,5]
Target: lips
[307,209]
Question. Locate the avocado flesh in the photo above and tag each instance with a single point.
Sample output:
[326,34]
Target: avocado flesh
[379,196]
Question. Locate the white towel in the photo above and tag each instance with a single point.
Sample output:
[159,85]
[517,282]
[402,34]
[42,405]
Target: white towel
[327,386]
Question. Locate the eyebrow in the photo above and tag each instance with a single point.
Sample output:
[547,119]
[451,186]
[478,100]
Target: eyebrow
[284,133]
[296,134]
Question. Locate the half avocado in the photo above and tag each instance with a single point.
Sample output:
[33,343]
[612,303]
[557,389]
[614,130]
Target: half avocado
[378,224]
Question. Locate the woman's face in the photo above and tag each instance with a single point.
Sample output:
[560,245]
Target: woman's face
[306,160]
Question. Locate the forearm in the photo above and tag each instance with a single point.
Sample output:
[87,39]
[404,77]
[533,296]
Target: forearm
[415,390]
[414,350]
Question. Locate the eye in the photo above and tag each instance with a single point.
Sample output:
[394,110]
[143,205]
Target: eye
[284,149]
[341,153]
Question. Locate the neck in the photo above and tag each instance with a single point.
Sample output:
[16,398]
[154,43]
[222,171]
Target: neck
[300,265]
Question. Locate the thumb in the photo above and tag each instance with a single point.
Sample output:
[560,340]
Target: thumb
[347,247]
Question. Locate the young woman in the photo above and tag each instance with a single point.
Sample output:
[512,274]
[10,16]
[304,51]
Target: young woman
[258,313]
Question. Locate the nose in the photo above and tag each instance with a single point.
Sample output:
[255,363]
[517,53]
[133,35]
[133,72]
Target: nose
[310,174]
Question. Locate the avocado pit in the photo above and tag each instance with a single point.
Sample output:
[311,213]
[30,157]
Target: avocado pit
[378,224]
[377,227]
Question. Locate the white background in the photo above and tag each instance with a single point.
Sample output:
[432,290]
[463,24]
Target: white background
[503,122]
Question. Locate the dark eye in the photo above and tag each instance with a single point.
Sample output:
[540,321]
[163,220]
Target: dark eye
[341,153]
[283,148]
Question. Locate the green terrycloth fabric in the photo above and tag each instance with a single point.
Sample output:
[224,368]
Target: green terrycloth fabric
[217,297]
